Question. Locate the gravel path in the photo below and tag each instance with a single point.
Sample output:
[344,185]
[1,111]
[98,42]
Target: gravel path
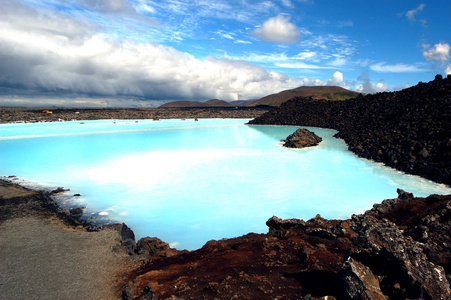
[43,258]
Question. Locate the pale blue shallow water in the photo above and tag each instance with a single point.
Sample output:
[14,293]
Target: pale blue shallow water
[188,182]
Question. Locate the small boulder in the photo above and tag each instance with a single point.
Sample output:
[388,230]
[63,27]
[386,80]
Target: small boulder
[302,138]
[128,242]
[77,212]
[154,247]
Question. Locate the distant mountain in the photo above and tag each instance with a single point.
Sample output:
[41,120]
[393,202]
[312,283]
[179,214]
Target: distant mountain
[242,102]
[316,92]
[209,103]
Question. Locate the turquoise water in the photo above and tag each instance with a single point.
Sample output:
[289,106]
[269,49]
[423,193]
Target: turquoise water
[188,182]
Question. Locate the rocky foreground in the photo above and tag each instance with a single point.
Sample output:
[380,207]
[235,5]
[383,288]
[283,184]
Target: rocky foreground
[400,249]
[409,130]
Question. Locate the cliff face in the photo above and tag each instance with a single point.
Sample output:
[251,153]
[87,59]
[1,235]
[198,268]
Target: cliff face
[408,130]
[399,249]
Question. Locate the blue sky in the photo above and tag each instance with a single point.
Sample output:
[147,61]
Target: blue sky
[129,52]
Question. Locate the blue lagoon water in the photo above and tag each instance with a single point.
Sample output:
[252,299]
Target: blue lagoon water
[188,181]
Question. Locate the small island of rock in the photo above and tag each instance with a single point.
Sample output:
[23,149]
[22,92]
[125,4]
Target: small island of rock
[302,138]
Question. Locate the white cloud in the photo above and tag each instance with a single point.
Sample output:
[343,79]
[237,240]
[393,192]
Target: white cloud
[98,65]
[287,3]
[227,36]
[397,68]
[370,87]
[305,55]
[448,70]
[242,42]
[301,65]
[110,6]
[337,79]
[142,6]
[439,53]
[120,7]
[278,30]
[411,13]
[339,62]
[260,58]
[363,62]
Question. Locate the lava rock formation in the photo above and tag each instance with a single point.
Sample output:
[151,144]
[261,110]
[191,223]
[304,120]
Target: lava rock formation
[408,130]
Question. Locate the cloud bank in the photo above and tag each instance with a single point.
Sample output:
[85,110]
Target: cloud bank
[125,51]
[61,55]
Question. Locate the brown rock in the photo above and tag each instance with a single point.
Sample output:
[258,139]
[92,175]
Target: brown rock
[359,282]
[302,138]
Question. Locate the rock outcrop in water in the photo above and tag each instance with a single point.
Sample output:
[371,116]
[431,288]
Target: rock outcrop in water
[397,250]
[408,130]
[302,138]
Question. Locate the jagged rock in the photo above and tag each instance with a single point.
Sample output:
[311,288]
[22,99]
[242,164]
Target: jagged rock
[359,282]
[128,242]
[59,190]
[154,247]
[275,223]
[302,138]
[320,232]
[398,260]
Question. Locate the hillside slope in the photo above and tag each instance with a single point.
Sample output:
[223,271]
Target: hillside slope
[316,92]
[409,130]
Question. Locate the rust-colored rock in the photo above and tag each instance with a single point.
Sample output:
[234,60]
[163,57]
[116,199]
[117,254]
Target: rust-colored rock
[376,255]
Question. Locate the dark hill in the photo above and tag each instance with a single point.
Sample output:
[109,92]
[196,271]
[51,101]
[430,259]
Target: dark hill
[409,130]
[209,103]
[315,92]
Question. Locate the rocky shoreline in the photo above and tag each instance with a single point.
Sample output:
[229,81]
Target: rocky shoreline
[47,253]
[54,114]
[400,249]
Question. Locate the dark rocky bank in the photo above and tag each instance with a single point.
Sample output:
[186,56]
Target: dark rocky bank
[409,130]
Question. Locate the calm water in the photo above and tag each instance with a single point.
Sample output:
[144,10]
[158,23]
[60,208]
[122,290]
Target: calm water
[188,182]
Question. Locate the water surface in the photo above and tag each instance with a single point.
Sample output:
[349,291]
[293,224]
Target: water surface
[187,182]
